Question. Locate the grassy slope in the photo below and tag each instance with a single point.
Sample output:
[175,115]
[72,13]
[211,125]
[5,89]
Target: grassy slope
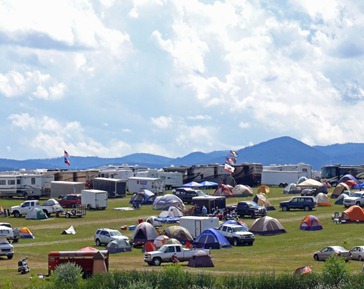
[280,253]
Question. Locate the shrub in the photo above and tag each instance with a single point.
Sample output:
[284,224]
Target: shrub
[334,271]
[66,275]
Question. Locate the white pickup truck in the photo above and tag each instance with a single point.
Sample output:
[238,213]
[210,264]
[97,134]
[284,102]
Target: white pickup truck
[169,253]
[237,234]
[49,207]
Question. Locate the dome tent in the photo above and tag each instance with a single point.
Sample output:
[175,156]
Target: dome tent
[267,226]
[310,223]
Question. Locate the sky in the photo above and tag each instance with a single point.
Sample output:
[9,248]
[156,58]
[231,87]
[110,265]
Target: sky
[168,77]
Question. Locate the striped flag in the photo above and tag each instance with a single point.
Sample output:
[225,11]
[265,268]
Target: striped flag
[66,158]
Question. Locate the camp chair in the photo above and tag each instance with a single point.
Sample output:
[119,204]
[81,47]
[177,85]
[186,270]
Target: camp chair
[336,218]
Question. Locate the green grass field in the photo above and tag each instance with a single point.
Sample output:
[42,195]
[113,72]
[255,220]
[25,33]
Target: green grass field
[274,254]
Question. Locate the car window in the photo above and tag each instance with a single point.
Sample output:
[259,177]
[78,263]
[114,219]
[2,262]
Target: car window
[178,249]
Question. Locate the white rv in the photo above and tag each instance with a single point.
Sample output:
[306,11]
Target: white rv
[172,180]
[155,185]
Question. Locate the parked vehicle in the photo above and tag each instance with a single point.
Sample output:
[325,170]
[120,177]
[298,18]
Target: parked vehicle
[15,236]
[357,253]
[250,208]
[331,250]
[237,234]
[169,253]
[356,198]
[23,267]
[186,194]
[49,207]
[106,235]
[94,199]
[6,249]
[306,203]
[70,201]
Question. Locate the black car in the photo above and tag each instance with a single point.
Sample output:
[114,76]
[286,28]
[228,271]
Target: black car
[250,208]
[186,194]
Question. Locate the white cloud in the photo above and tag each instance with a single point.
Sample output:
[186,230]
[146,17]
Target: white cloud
[162,121]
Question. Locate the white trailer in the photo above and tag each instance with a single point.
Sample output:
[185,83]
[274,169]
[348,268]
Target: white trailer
[62,188]
[196,225]
[94,199]
[155,185]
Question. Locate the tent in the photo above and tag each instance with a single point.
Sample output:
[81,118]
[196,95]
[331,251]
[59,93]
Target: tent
[143,197]
[340,199]
[144,232]
[263,189]
[310,223]
[348,177]
[26,233]
[302,271]
[339,189]
[172,215]
[208,184]
[322,200]
[36,214]
[292,188]
[301,179]
[211,239]
[160,241]
[152,220]
[173,241]
[311,183]
[353,214]
[262,200]
[200,259]
[351,183]
[178,232]
[192,185]
[70,231]
[267,226]
[223,190]
[118,245]
[242,191]
[164,202]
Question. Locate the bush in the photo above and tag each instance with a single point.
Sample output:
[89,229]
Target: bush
[66,275]
[334,271]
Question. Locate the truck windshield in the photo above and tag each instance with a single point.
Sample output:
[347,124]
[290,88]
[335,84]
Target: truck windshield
[240,229]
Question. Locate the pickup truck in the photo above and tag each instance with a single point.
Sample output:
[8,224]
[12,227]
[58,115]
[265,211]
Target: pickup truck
[167,253]
[237,234]
[250,208]
[49,207]
[355,198]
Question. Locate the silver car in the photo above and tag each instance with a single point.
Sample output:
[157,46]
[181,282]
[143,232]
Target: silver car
[331,250]
[357,253]
[106,235]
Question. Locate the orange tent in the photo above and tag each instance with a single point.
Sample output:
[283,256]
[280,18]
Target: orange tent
[353,214]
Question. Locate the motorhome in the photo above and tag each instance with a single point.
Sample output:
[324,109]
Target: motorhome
[172,180]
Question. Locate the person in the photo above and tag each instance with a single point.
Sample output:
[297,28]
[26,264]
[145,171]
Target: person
[204,211]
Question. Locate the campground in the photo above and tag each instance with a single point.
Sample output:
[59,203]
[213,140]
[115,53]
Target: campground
[282,253]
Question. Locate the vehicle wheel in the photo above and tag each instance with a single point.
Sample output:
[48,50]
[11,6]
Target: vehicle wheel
[10,257]
[157,261]
[284,208]
[16,214]
[73,205]
[358,204]
[68,215]
[16,240]
[235,242]
[26,196]
[306,208]
[316,257]
[98,243]
[252,214]
[46,213]
[360,258]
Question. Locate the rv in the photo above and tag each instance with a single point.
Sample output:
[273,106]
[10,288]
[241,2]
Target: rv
[155,185]
[172,180]
[196,225]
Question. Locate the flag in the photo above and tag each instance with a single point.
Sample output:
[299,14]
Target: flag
[66,158]
[231,161]
[234,154]
[229,168]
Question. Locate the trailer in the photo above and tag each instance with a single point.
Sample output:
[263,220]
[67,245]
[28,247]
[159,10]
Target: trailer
[116,188]
[94,199]
[155,185]
[62,188]
[196,225]
[89,259]
[210,202]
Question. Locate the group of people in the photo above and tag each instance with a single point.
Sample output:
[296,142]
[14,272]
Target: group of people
[200,211]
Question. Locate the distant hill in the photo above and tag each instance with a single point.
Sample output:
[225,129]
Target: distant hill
[282,150]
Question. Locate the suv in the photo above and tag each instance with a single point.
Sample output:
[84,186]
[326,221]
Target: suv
[186,194]
[16,233]
[306,203]
[70,201]
[105,236]
[6,249]
[237,234]
[250,208]
[356,198]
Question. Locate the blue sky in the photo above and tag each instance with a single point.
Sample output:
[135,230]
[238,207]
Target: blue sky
[110,78]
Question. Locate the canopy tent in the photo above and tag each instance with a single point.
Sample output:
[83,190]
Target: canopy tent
[192,185]
[144,232]
[164,202]
[200,259]
[310,223]
[242,191]
[211,239]
[178,232]
[267,226]
[322,200]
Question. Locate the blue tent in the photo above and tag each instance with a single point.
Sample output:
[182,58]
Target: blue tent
[348,177]
[143,197]
[211,239]
[192,185]
[208,184]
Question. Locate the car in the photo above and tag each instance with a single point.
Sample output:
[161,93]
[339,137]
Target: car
[70,201]
[332,250]
[250,208]
[237,234]
[16,232]
[355,198]
[106,235]
[306,203]
[186,194]
[357,253]
[6,249]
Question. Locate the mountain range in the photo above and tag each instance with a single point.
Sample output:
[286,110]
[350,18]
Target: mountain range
[282,150]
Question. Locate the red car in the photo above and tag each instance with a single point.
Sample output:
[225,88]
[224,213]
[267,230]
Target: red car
[70,201]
